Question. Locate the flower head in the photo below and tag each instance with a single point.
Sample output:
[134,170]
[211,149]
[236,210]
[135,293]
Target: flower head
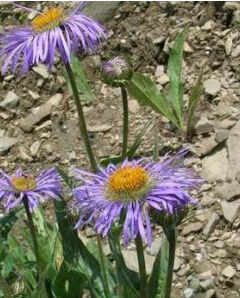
[49,32]
[135,189]
[116,72]
[14,187]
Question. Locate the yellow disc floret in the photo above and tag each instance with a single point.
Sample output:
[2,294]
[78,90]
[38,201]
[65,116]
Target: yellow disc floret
[128,180]
[49,19]
[23,183]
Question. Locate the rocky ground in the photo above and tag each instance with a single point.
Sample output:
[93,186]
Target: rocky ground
[38,123]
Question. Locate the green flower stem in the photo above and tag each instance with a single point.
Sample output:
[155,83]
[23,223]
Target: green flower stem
[83,130]
[82,123]
[33,234]
[125,122]
[142,267]
[172,239]
[103,265]
[156,141]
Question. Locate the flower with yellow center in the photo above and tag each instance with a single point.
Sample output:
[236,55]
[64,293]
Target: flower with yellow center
[23,183]
[50,32]
[49,19]
[14,188]
[130,191]
[127,181]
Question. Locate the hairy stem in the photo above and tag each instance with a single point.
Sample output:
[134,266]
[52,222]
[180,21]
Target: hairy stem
[33,234]
[172,237]
[82,123]
[103,265]
[125,122]
[142,267]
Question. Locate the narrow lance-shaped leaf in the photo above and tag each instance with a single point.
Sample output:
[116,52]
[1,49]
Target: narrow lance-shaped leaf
[84,89]
[157,279]
[7,222]
[175,95]
[76,255]
[111,277]
[144,90]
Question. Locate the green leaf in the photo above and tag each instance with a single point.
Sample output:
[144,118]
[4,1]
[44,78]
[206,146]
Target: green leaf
[7,265]
[69,283]
[81,80]
[143,89]
[157,279]
[7,222]
[192,104]
[94,250]
[76,255]
[131,151]
[174,71]
[128,282]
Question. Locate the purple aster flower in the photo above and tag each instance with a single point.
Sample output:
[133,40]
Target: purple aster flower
[50,31]
[13,188]
[134,188]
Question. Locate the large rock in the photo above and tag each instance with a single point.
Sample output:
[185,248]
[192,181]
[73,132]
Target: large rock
[233,145]
[102,11]
[40,113]
[6,143]
[215,166]
[192,227]
[211,224]
[130,258]
[230,210]
[229,191]
[204,126]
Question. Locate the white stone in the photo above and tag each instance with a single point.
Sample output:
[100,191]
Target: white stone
[208,25]
[99,128]
[211,224]
[133,106]
[233,145]
[230,210]
[159,71]
[212,86]
[228,46]
[131,260]
[228,271]
[35,148]
[10,101]
[163,79]
[42,70]
[34,95]
[6,143]
[236,51]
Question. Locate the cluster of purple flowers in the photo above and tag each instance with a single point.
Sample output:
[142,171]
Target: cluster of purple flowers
[133,188]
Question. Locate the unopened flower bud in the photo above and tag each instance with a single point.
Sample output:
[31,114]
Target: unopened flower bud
[116,72]
[167,220]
